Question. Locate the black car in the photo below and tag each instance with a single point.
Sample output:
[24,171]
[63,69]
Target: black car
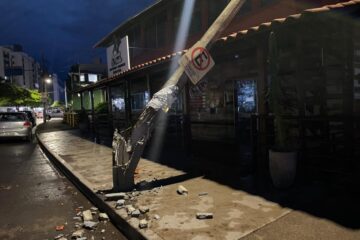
[31,117]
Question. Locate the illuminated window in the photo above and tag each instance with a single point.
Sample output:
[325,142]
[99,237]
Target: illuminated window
[82,77]
[93,78]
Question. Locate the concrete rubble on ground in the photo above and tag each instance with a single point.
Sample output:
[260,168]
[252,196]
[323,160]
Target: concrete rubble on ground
[103,217]
[204,215]
[182,190]
[87,215]
[144,209]
[143,223]
[115,196]
[135,213]
[59,236]
[90,224]
[120,203]
[77,234]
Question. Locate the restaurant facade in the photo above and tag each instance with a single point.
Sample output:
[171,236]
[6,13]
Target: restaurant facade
[228,118]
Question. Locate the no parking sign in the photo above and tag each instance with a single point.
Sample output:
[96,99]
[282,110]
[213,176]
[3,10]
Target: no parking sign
[197,62]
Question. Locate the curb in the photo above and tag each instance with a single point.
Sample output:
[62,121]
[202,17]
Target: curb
[83,186]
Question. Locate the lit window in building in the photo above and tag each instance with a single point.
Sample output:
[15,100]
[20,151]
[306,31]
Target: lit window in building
[82,77]
[93,78]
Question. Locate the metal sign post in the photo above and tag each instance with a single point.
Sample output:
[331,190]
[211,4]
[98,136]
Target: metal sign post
[128,147]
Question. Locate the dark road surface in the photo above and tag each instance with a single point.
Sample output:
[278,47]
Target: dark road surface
[35,197]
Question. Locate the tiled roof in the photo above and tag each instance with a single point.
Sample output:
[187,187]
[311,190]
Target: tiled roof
[234,36]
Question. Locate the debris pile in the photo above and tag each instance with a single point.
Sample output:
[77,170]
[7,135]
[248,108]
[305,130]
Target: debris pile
[85,223]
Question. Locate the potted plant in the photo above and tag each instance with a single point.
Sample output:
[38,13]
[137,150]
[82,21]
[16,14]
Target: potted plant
[283,155]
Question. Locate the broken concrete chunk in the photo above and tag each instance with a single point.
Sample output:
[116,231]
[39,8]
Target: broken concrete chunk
[143,223]
[120,203]
[130,209]
[78,225]
[144,209]
[93,208]
[182,190]
[157,217]
[103,217]
[77,234]
[204,215]
[135,213]
[90,224]
[77,218]
[59,236]
[87,216]
[115,196]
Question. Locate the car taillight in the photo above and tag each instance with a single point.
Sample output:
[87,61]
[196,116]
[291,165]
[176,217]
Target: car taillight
[27,124]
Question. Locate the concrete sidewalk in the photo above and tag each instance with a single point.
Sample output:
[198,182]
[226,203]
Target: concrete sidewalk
[237,214]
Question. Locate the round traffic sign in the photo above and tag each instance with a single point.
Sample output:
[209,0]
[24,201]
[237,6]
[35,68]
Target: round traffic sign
[200,58]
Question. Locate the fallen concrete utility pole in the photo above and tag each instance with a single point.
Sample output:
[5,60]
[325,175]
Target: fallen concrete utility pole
[129,146]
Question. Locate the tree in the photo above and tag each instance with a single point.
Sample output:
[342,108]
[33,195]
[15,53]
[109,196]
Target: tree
[57,104]
[12,95]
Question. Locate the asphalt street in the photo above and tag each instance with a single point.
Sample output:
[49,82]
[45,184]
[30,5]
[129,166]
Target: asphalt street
[35,198]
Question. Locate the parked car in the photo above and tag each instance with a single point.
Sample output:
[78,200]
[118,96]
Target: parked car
[15,124]
[40,114]
[31,116]
[55,113]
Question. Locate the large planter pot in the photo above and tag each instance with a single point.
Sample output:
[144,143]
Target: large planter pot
[282,168]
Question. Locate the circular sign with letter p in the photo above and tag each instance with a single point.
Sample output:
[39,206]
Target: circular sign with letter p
[197,62]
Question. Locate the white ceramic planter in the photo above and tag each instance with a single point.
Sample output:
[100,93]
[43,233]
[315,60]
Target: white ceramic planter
[282,168]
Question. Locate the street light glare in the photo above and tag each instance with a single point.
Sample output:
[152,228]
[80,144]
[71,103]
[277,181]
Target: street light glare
[48,80]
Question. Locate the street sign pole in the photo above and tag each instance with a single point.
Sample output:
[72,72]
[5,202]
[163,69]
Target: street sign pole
[127,150]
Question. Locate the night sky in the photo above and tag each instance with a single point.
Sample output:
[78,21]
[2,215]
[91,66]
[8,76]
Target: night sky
[64,31]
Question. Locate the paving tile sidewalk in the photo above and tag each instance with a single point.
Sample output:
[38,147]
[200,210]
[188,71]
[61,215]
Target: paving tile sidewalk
[237,214]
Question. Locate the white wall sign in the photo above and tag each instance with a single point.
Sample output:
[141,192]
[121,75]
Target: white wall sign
[197,62]
[118,59]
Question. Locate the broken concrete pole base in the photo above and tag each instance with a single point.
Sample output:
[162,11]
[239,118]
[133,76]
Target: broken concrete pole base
[123,181]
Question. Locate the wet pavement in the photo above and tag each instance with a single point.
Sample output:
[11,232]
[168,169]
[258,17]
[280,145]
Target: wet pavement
[315,210]
[35,197]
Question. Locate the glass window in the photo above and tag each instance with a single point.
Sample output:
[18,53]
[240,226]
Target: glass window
[87,100]
[139,100]
[118,98]
[12,117]
[82,77]
[212,101]
[139,94]
[246,96]
[93,78]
